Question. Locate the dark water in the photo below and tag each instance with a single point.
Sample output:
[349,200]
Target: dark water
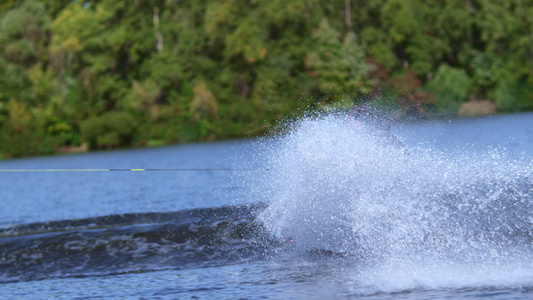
[131,243]
[324,211]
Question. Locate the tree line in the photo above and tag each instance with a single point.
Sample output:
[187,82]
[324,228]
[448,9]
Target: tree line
[113,73]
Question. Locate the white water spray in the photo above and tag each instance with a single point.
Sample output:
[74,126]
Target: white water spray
[337,186]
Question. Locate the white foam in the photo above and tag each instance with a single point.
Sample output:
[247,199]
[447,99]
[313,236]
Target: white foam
[417,215]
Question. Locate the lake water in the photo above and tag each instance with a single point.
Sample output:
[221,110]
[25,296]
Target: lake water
[330,209]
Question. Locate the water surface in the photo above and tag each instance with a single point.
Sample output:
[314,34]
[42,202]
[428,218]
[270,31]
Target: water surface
[327,210]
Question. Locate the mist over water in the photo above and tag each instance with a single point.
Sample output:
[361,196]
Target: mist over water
[408,216]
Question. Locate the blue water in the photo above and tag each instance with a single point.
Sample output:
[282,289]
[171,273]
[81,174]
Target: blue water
[290,271]
[38,196]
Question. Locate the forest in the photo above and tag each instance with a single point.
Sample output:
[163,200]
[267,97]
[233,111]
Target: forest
[80,75]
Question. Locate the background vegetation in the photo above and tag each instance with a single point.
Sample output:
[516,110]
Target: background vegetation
[148,72]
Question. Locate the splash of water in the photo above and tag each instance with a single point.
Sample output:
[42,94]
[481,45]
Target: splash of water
[338,186]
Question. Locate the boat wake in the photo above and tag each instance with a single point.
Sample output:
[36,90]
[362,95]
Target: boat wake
[131,243]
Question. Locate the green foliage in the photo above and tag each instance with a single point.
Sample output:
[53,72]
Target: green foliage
[399,19]
[110,130]
[13,82]
[514,94]
[7,5]
[379,46]
[204,105]
[20,133]
[340,67]
[22,32]
[451,87]
[43,83]
[199,70]
[246,41]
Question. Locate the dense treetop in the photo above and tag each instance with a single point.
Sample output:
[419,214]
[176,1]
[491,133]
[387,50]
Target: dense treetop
[147,72]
